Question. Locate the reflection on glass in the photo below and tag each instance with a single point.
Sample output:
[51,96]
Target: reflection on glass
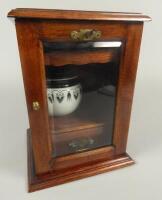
[81,82]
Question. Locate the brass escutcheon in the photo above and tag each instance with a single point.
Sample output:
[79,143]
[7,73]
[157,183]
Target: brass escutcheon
[85,35]
[81,144]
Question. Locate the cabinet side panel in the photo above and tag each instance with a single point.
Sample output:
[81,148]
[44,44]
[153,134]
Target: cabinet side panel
[127,76]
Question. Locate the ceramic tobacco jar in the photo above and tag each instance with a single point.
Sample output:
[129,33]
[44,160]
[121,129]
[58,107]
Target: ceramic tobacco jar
[63,92]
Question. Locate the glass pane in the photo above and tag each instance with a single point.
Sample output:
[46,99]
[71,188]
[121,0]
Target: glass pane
[81,80]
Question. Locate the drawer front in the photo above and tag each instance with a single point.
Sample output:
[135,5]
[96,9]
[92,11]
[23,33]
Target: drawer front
[61,31]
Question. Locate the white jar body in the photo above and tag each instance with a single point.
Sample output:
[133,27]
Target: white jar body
[63,101]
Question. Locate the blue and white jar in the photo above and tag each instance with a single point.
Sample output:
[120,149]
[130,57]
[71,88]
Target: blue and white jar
[64,95]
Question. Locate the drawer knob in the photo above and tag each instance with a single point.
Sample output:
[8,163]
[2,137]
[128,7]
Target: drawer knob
[36,105]
[85,35]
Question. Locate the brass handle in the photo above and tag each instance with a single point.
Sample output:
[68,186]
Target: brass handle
[81,144]
[85,35]
[36,105]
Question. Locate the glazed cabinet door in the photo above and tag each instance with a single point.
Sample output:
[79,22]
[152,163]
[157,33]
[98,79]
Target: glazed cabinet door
[79,89]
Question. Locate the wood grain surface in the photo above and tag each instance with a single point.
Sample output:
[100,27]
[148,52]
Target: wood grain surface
[36,26]
[76,15]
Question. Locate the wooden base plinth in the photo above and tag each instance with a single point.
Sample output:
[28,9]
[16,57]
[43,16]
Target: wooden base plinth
[55,178]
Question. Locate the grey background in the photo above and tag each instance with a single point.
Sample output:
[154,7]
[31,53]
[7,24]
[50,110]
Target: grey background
[140,181]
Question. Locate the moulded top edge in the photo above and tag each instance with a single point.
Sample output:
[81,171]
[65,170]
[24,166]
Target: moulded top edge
[76,15]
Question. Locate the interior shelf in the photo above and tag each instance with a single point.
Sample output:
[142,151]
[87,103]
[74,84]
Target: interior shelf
[59,58]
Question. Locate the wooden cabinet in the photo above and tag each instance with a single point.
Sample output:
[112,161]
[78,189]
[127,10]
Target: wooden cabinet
[79,72]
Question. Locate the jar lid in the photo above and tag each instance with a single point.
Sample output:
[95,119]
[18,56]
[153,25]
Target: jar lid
[62,72]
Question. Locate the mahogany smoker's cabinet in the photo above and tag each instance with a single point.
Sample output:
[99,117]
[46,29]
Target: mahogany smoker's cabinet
[79,72]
